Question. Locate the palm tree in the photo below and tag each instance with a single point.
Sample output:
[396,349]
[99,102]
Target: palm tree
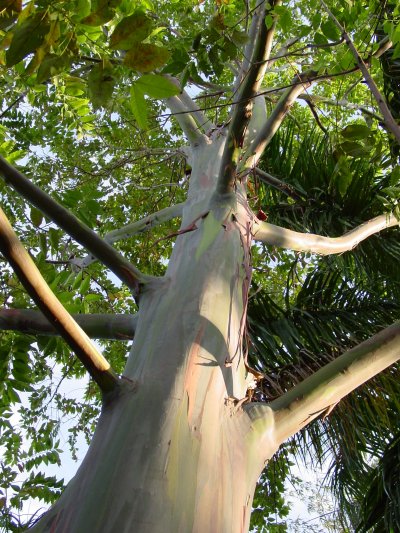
[329,305]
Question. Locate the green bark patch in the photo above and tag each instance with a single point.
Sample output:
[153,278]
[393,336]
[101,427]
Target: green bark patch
[211,228]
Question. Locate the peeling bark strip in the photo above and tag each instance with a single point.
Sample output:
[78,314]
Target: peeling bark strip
[28,274]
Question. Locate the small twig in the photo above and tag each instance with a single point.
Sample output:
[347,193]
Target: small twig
[388,117]
[315,115]
[14,103]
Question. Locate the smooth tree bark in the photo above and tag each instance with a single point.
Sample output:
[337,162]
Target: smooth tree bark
[179,444]
[96,326]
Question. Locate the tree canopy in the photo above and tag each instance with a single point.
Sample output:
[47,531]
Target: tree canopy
[98,102]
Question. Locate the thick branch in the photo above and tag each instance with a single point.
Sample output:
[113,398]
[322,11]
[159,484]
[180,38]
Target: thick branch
[183,115]
[140,226]
[96,326]
[30,277]
[122,268]
[257,147]
[321,391]
[389,121]
[309,242]
[204,123]
[248,90]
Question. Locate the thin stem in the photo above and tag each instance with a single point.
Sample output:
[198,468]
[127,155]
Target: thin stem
[309,242]
[312,98]
[387,115]
[277,183]
[30,277]
[13,103]
[314,113]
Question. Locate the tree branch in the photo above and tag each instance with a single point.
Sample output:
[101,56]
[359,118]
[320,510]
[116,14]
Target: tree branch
[30,277]
[321,391]
[316,117]
[204,123]
[387,115]
[249,48]
[278,184]
[248,90]
[13,103]
[309,242]
[314,98]
[140,226]
[122,268]
[96,326]
[257,147]
[184,117]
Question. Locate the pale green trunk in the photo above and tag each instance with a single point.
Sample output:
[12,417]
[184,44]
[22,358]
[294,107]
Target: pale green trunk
[173,453]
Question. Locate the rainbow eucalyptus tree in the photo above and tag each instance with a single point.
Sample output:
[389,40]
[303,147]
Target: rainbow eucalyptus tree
[120,118]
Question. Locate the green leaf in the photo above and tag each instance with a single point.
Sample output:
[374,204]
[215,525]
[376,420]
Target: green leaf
[83,9]
[353,148]
[36,216]
[269,21]
[284,16]
[330,30]
[316,20]
[52,65]
[239,37]
[104,10]
[356,131]
[101,84]
[27,38]
[319,38]
[131,30]
[12,395]
[157,86]
[146,57]
[139,107]
[84,287]
[396,52]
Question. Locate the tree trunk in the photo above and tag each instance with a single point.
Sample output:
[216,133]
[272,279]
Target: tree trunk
[175,452]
